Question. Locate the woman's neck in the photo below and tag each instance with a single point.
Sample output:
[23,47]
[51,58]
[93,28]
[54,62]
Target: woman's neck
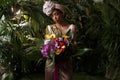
[62,23]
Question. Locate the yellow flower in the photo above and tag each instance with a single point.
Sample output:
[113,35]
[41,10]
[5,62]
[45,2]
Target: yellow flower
[49,36]
[53,35]
[58,51]
[66,37]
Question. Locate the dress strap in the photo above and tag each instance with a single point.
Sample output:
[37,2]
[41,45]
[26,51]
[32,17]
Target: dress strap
[49,29]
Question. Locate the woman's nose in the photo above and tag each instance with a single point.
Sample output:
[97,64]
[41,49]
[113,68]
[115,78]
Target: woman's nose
[55,17]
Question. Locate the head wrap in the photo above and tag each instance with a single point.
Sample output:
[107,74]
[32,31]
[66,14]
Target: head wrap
[49,6]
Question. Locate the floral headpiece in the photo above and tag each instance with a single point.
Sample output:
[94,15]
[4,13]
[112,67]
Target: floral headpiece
[49,6]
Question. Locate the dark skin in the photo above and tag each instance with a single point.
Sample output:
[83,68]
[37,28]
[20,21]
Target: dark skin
[59,22]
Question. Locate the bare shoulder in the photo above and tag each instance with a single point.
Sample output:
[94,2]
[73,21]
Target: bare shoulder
[72,27]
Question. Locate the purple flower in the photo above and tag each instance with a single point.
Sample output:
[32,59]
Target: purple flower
[47,48]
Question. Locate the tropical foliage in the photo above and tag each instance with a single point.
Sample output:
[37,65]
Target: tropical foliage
[21,36]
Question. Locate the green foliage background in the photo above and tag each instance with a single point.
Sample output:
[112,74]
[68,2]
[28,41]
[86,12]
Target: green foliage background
[97,25]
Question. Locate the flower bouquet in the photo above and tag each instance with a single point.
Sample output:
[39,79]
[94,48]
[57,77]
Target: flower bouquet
[54,45]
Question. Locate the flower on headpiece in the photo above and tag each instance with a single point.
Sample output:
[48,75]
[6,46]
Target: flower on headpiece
[49,6]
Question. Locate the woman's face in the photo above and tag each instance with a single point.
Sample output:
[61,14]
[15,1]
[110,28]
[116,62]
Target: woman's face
[57,16]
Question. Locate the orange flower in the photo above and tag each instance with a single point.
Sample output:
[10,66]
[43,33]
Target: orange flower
[58,51]
[66,37]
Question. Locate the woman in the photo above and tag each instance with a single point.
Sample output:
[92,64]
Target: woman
[62,69]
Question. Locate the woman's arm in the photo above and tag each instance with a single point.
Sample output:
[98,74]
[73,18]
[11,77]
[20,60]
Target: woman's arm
[73,28]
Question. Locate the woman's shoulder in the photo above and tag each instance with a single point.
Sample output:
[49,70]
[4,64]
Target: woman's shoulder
[72,26]
[51,25]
